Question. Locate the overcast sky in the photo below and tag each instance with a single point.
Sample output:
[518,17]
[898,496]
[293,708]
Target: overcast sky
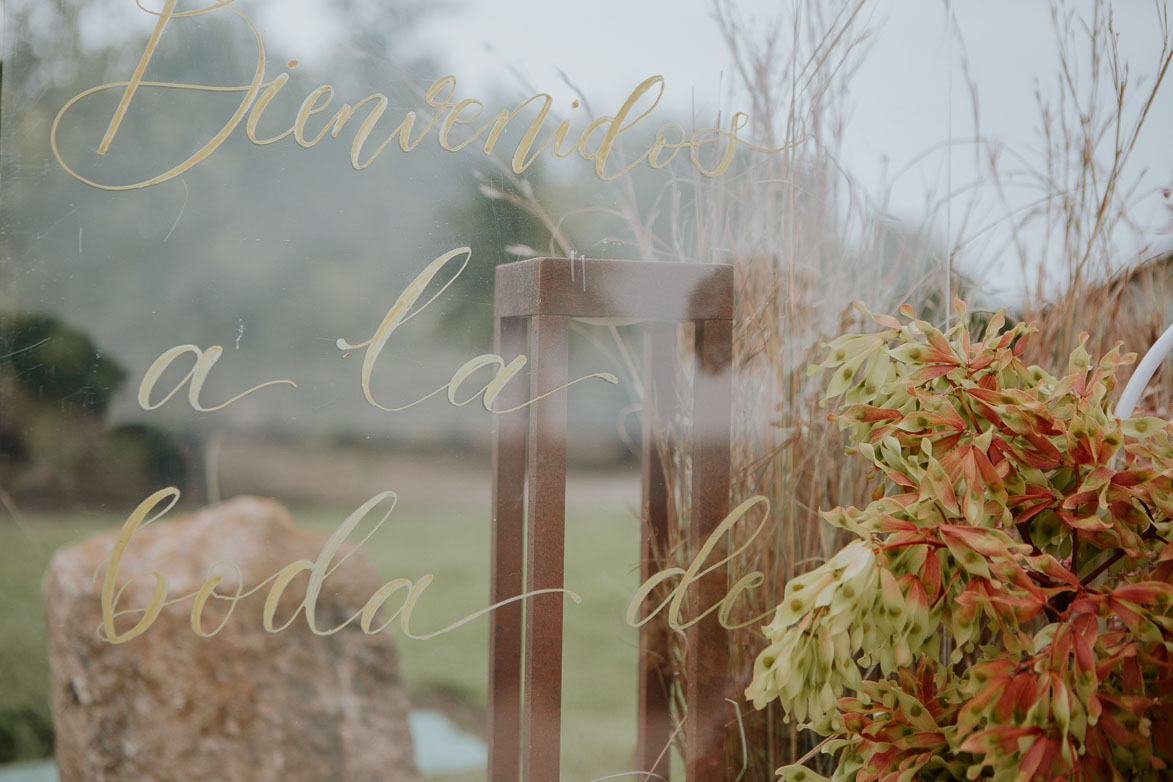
[907,98]
[899,100]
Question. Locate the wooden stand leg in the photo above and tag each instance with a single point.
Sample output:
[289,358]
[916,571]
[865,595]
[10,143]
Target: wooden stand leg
[707,660]
[655,715]
[546,292]
[542,715]
[508,535]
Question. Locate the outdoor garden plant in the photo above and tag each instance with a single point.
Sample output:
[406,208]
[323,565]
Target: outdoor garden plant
[1004,609]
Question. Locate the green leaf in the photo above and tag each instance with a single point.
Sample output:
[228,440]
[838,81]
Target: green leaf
[797,773]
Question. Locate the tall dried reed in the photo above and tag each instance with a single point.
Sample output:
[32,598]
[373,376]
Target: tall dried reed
[1087,263]
[806,242]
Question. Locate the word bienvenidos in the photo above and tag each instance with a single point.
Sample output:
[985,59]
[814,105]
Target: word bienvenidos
[451,120]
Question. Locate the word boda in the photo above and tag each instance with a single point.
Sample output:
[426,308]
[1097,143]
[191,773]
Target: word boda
[319,570]
[458,123]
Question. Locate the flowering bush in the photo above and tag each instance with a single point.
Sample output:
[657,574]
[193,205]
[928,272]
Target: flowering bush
[1005,610]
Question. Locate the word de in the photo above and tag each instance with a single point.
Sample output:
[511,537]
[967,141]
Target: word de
[698,569]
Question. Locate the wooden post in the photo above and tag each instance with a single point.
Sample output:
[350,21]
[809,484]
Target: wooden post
[706,667]
[654,726]
[508,537]
[541,732]
[544,292]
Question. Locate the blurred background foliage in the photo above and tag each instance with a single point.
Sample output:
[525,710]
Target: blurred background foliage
[275,252]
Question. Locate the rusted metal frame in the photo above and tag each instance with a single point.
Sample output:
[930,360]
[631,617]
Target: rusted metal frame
[508,551]
[654,721]
[707,659]
[545,553]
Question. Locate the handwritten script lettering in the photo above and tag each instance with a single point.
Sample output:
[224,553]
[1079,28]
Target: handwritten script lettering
[327,562]
[595,142]
[675,599]
[267,106]
[404,309]
[331,557]
[205,360]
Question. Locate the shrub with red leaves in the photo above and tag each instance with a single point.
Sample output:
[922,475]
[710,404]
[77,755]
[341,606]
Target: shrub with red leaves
[1005,610]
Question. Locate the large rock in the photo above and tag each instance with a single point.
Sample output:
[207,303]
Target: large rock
[245,705]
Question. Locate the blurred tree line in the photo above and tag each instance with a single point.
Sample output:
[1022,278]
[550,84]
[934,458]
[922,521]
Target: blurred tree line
[273,252]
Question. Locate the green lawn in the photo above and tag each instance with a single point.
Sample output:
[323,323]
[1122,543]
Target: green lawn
[600,650]
[24,669]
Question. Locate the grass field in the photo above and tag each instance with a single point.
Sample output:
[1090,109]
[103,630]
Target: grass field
[450,671]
